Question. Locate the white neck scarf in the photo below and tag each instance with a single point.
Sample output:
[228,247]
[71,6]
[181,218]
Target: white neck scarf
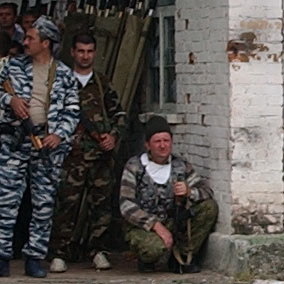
[159,173]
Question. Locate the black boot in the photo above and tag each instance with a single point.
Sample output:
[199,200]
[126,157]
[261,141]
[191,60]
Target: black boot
[34,269]
[145,267]
[176,267]
[193,267]
[4,268]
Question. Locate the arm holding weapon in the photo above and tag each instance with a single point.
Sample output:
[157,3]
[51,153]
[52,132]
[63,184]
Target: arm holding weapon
[20,108]
[182,215]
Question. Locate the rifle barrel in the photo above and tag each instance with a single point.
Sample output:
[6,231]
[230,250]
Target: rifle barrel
[101,7]
[131,6]
[152,7]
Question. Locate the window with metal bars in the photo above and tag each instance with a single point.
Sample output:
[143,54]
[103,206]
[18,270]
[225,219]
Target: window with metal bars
[162,56]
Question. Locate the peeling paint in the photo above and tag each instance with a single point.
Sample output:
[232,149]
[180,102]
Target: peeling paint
[244,48]
[191,58]
[252,219]
[186,24]
[187,98]
[236,67]
[257,24]
[275,57]
[246,135]
[178,13]
[247,165]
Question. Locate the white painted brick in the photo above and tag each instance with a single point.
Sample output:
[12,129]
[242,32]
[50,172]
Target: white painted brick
[246,95]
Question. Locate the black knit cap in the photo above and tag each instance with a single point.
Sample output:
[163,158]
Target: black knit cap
[156,124]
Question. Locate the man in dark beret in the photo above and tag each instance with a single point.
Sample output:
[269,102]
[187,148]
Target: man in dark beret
[169,209]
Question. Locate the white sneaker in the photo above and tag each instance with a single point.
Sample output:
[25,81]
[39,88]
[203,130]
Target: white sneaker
[58,265]
[100,261]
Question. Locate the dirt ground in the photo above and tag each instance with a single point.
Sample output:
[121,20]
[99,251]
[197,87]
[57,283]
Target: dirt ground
[124,271]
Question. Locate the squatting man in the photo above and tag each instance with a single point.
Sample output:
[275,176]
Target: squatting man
[169,209]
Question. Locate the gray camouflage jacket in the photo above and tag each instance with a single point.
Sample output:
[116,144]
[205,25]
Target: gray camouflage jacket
[144,202]
[63,111]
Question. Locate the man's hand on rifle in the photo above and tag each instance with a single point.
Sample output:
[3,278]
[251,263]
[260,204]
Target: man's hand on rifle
[20,107]
[107,141]
[164,234]
[181,189]
[51,141]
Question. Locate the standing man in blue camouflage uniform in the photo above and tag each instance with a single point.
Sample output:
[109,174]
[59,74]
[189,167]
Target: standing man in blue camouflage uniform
[168,207]
[84,205]
[43,93]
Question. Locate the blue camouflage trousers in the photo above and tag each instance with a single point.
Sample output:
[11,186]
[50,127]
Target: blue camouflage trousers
[21,163]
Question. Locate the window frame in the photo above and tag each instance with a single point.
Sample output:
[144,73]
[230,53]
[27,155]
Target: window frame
[162,12]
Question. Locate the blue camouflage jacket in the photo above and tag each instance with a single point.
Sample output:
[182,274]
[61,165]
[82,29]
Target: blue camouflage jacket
[63,111]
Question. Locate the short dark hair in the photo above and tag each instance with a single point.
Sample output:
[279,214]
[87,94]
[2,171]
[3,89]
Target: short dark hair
[19,47]
[12,6]
[43,37]
[31,12]
[5,45]
[83,38]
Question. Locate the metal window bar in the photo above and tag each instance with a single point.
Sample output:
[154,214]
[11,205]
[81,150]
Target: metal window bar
[162,53]
[167,64]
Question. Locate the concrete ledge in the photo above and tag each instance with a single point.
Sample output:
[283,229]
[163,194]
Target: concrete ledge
[255,255]
[172,118]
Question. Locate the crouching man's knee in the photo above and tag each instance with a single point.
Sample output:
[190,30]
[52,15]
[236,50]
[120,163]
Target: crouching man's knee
[148,246]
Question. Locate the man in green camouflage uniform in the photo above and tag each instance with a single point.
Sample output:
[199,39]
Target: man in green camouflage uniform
[84,205]
[169,209]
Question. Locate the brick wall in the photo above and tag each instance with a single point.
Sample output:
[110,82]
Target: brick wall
[203,94]
[229,85]
[256,116]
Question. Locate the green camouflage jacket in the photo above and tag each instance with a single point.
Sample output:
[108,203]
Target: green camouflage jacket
[99,113]
[144,202]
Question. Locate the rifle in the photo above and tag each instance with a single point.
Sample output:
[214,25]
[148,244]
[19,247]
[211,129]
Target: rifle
[140,5]
[151,8]
[101,7]
[52,8]
[108,7]
[90,7]
[26,123]
[131,6]
[90,127]
[122,4]
[81,6]
[181,216]
[114,7]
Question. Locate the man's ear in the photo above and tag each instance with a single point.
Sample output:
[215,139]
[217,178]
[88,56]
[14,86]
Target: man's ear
[147,146]
[72,51]
[46,43]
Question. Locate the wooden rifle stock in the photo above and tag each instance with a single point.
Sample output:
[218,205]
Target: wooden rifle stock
[27,123]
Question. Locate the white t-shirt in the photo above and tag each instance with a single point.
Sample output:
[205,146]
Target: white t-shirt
[83,79]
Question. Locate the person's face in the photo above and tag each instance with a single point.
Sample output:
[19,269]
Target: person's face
[83,55]
[7,18]
[33,45]
[160,147]
[28,21]
[13,51]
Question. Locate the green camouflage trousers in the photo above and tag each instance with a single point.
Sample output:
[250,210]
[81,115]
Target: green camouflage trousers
[83,211]
[149,247]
